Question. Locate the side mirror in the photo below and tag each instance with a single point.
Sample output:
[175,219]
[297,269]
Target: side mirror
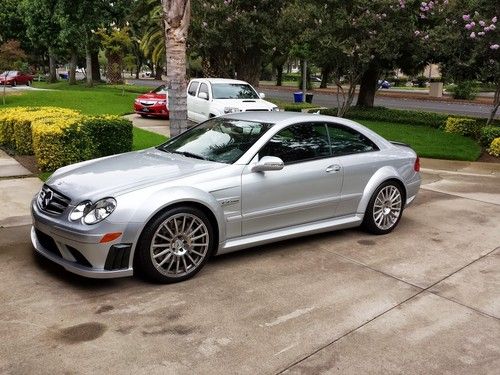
[262,95]
[268,163]
[203,95]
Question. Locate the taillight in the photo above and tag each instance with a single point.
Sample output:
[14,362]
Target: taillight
[416,166]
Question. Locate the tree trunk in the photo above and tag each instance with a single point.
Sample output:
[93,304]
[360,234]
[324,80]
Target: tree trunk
[368,87]
[496,105]
[96,69]
[137,70]
[248,67]
[177,14]
[158,71]
[88,66]
[52,67]
[72,68]
[279,75]
[115,68]
[325,75]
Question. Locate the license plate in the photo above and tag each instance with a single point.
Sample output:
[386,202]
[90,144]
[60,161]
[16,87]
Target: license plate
[145,110]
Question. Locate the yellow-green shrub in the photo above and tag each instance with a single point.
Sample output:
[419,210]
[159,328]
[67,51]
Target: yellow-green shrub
[494,148]
[16,124]
[59,136]
[464,126]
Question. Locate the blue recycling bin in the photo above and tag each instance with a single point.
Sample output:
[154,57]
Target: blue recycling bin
[298,97]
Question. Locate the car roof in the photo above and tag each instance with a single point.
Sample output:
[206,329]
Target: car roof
[275,117]
[220,80]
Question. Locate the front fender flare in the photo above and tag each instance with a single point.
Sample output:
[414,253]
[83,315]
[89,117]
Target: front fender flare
[160,200]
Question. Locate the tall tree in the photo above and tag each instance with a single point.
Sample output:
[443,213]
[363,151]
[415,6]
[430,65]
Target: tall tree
[177,15]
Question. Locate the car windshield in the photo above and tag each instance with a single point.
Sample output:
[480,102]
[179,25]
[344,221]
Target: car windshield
[233,91]
[11,73]
[222,140]
[160,90]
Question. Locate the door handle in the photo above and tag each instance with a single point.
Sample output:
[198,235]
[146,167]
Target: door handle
[333,168]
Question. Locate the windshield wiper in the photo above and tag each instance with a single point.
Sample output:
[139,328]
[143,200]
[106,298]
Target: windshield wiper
[189,154]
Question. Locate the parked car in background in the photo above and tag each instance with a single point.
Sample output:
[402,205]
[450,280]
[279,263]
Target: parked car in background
[15,77]
[212,97]
[230,183]
[383,84]
[154,103]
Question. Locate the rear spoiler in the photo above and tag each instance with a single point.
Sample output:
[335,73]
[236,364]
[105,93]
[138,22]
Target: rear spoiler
[400,144]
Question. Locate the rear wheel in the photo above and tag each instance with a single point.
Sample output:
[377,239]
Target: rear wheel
[175,245]
[384,209]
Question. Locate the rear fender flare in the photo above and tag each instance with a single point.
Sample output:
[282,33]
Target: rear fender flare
[379,177]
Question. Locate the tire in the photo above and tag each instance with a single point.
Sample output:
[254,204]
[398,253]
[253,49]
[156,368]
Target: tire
[384,209]
[14,84]
[174,245]
[29,83]
[144,116]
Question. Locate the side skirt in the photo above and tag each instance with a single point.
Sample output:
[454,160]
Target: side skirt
[251,240]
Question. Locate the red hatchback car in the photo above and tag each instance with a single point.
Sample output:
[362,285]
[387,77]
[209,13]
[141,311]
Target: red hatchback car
[154,103]
[14,78]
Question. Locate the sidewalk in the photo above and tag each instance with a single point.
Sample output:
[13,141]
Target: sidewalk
[17,188]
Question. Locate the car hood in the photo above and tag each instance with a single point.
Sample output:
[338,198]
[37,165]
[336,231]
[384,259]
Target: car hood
[244,104]
[118,174]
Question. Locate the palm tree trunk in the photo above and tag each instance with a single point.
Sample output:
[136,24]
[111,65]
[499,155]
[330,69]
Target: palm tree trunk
[177,15]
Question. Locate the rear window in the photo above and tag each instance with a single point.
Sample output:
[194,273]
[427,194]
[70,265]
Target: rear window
[192,88]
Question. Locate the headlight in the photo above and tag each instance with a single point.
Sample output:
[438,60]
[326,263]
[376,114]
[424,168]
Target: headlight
[93,213]
[231,110]
[80,211]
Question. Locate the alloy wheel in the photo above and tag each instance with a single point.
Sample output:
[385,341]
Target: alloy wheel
[387,207]
[179,245]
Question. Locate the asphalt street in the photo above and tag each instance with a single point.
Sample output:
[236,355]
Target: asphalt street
[424,299]
[329,100]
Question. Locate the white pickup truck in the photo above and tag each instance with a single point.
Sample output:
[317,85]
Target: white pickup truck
[211,97]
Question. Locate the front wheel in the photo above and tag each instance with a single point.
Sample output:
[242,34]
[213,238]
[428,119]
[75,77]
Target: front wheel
[384,209]
[175,245]
[14,84]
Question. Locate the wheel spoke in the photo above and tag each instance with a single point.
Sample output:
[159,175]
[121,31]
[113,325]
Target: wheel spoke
[161,253]
[163,237]
[168,229]
[185,265]
[199,236]
[164,260]
[197,253]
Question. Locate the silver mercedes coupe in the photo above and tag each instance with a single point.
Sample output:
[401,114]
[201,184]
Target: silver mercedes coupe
[230,183]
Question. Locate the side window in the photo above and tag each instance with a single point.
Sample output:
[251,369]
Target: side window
[203,88]
[192,88]
[346,141]
[298,143]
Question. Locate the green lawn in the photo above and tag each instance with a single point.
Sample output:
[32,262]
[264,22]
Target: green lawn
[101,99]
[428,142]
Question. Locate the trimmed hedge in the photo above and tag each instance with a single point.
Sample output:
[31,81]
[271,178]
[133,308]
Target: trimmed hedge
[494,148]
[109,134]
[464,126]
[488,134]
[435,120]
[58,136]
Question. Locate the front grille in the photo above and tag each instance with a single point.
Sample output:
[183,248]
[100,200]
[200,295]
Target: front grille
[258,110]
[147,104]
[48,243]
[51,201]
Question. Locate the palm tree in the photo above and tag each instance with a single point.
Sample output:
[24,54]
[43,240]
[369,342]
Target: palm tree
[177,14]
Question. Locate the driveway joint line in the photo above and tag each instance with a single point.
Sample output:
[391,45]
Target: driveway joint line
[424,187]
[395,306]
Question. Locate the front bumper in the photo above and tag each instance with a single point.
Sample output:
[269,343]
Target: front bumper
[81,252]
[156,110]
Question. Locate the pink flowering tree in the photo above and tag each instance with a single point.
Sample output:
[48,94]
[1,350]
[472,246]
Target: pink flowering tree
[472,46]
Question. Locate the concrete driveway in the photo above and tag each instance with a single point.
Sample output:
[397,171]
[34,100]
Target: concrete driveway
[424,299]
